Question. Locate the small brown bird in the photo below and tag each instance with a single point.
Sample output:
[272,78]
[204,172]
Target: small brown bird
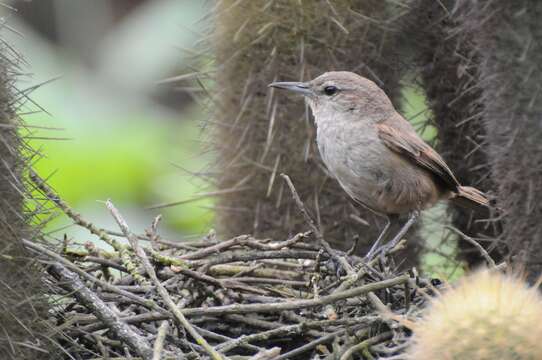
[375,154]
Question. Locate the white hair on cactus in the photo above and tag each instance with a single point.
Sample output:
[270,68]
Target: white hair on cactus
[487,316]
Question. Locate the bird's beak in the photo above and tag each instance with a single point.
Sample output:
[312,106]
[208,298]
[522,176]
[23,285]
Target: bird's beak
[298,87]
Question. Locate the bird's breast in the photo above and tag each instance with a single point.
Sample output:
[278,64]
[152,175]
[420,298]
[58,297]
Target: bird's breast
[370,172]
[353,156]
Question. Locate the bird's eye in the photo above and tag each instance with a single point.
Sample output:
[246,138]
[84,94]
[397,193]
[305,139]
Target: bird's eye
[330,90]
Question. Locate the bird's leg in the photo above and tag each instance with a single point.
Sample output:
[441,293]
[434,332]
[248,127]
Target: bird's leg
[376,244]
[413,217]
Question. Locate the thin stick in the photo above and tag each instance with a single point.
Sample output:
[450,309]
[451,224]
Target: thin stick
[139,300]
[215,249]
[72,214]
[246,241]
[159,342]
[72,283]
[365,344]
[244,255]
[287,330]
[377,303]
[353,278]
[178,315]
[480,248]
[299,304]
[213,335]
[311,345]
[267,354]
[268,307]
[341,260]
[282,306]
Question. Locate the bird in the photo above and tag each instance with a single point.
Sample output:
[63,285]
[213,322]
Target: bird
[375,153]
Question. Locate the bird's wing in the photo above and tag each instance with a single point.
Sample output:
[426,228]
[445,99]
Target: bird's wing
[406,142]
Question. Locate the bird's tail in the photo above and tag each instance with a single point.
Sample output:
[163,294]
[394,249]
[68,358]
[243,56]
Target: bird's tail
[470,198]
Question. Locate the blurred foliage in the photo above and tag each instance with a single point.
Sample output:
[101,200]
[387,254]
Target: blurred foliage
[109,138]
[414,108]
[130,161]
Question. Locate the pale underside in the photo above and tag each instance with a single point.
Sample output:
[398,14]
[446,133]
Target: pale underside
[372,172]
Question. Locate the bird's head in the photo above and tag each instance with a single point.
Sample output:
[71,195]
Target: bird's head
[342,92]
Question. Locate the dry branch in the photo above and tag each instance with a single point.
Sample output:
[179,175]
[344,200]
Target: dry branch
[149,269]
[90,300]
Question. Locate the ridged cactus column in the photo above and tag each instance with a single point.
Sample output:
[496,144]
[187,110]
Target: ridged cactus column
[260,133]
[507,35]
[449,64]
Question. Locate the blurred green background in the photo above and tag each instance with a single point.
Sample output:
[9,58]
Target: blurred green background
[116,132]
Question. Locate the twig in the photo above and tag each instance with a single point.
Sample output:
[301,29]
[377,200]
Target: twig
[75,216]
[293,305]
[473,242]
[159,342]
[350,280]
[246,241]
[377,303]
[266,354]
[178,315]
[91,301]
[365,344]
[249,270]
[42,250]
[287,330]
[243,255]
[261,280]
[272,307]
[221,283]
[173,244]
[341,260]
[215,249]
[79,220]
[213,335]
[232,270]
[311,345]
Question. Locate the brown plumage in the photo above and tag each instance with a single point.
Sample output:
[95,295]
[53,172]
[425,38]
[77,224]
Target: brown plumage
[374,153]
[410,145]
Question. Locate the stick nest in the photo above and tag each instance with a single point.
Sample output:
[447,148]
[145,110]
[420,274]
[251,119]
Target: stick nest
[152,298]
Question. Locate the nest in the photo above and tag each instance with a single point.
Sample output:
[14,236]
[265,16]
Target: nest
[151,298]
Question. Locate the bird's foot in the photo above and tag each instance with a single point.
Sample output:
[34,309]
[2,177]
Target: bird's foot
[376,246]
[385,249]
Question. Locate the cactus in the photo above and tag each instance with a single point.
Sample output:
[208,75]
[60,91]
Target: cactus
[22,309]
[260,134]
[487,316]
[449,68]
[506,35]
